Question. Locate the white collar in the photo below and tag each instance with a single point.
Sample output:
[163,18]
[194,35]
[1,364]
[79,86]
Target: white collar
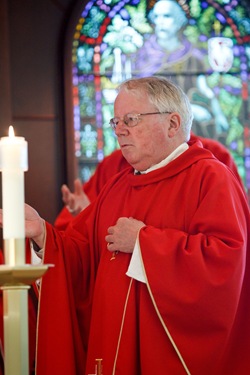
[177,152]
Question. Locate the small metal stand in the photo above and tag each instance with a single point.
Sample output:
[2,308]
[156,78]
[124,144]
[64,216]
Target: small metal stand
[15,282]
[98,367]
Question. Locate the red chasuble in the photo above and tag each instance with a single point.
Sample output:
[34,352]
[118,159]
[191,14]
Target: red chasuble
[192,316]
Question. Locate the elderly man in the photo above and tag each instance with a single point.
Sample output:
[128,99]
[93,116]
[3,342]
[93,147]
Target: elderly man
[152,277]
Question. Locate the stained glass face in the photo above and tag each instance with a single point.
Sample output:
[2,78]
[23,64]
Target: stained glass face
[202,45]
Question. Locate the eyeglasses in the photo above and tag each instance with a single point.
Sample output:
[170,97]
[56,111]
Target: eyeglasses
[131,119]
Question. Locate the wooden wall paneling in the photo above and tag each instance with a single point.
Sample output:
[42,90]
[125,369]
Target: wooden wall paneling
[32,68]
[37,106]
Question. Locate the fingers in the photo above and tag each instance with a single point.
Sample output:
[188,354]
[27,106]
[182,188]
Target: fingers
[64,189]
[110,246]
[109,238]
[110,230]
[122,236]
[71,201]
[65,194]
[78,187]
[71,205]
[76,201]
[85,200]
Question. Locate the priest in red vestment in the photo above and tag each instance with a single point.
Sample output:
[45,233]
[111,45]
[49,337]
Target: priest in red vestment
[153,276]
[111,165]
[85,193]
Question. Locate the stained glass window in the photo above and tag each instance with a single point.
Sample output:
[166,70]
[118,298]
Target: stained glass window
[203,45]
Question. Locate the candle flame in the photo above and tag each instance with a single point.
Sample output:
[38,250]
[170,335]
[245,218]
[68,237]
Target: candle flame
[11,131]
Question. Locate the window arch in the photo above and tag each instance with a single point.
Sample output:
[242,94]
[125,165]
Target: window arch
[117,39]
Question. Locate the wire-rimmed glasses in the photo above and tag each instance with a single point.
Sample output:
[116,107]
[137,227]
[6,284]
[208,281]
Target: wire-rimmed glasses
[131,119]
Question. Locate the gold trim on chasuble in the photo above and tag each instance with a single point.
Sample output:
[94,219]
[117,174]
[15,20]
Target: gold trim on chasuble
[162,321]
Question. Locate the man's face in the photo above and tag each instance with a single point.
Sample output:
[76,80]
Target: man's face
[145,144]
[165,19]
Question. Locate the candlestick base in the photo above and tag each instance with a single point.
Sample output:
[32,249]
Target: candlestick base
[21,274]
[15,282]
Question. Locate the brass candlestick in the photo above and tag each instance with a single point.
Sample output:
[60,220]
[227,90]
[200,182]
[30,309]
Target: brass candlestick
[15,281]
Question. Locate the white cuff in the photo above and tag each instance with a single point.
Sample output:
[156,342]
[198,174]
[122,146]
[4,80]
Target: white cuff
[36,256]
[135,269]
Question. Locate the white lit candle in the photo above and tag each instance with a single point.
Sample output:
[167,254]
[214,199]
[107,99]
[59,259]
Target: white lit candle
[13,163]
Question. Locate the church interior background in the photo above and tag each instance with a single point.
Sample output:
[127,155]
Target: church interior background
[202,45]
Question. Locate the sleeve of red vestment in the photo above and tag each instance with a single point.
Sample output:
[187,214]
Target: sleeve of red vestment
[65,331]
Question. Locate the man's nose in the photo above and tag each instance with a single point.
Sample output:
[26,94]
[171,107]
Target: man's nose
[121,128]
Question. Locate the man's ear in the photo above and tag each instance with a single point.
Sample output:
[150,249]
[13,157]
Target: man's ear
[174,124]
